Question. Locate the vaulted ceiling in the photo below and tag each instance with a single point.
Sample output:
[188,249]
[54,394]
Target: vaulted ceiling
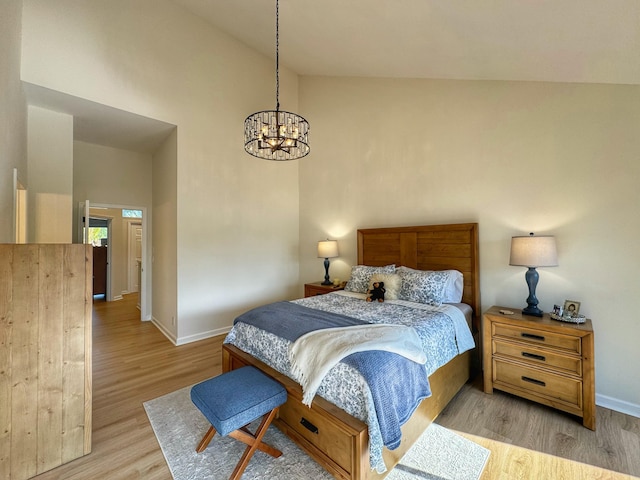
[592,41]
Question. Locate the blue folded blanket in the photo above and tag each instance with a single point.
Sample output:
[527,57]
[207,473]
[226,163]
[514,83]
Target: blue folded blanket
[397,384]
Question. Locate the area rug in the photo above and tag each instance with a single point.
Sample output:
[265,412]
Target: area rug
[439,453]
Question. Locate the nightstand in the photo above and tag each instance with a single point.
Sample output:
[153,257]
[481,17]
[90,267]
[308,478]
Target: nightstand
[541,359]
[316,288]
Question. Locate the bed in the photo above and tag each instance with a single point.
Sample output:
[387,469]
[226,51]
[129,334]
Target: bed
[334,438]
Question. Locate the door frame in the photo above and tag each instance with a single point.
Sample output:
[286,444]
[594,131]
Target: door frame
[145,277]
[130,249]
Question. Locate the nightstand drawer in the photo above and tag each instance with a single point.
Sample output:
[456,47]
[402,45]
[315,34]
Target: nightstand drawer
[549,339]
[552,387]
[538,356]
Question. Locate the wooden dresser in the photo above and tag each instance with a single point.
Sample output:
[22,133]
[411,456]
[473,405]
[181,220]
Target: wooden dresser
[541,359]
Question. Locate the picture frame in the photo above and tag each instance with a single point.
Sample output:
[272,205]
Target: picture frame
[571,308]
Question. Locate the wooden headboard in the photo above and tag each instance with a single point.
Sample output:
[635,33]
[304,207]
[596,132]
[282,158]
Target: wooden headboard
[427,247]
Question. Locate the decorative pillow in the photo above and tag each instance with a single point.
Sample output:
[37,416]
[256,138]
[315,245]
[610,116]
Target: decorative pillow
[454,284]
[423,286]
[455,287]
[392,283]
[360,275]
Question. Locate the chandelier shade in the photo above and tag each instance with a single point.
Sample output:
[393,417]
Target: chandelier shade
[276,134]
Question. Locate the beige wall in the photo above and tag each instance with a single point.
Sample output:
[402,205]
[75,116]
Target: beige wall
[50,188]
[236,216]
[13,128]
[557,159]
[111,175]
[165,231]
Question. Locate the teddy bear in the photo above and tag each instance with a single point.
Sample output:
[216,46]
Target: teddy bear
[377,292]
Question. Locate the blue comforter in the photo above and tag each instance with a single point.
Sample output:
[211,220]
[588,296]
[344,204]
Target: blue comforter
[397,384]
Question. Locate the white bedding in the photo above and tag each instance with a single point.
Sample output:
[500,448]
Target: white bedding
[314,354]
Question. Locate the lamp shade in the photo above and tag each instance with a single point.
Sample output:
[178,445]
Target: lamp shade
[534,251]
[327,249]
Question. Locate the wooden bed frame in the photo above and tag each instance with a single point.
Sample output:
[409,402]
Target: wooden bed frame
[335,439]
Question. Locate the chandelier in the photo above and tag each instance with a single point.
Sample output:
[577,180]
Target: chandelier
[276,134]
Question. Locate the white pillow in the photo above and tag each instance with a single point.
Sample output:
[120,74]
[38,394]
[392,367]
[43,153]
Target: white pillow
[392,284]
[455,287]
[451,291]
[361,274]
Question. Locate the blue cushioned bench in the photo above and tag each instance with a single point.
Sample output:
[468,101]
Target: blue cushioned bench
[233,400]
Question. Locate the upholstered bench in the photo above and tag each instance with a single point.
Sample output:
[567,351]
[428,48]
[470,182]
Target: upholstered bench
[233,400]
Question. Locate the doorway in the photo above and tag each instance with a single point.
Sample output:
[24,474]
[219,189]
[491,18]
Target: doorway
[99,235]
[126,257]
[134,256]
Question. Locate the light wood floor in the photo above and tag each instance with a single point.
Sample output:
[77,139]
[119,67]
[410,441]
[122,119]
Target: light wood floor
[528,440]
[133,362]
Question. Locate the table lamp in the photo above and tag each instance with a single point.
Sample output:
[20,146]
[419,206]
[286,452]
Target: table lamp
[533,251]
[327,249]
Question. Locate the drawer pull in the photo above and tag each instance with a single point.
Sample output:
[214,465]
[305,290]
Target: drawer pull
[542,358]
[533,380]
[532,336]
[308,425]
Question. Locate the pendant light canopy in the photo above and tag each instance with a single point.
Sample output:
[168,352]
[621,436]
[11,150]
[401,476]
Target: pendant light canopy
[276,134]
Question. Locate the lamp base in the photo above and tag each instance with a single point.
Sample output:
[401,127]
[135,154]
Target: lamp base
[533,311]
[532,302]
[327,281]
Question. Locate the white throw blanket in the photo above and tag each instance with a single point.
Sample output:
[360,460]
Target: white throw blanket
[315,353]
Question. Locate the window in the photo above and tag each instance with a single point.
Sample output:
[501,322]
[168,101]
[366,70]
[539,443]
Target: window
[131,213]
[98,236]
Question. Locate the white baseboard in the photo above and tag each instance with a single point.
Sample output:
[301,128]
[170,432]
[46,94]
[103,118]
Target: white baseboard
[163,330]
[191,338]
[117,297]
[621,406]
[203,335]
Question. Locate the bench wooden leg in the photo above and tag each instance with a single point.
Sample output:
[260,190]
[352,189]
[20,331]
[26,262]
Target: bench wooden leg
[254,444]
[248,438]
[206,439]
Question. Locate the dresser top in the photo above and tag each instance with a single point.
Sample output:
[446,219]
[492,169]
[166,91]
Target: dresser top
[546,322]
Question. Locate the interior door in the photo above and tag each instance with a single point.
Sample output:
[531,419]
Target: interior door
[100,271]
[135,256]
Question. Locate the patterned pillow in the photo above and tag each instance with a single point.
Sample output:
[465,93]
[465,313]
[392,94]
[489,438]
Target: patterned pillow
[361,274]
[392,283]
[423,286]
[454,287]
